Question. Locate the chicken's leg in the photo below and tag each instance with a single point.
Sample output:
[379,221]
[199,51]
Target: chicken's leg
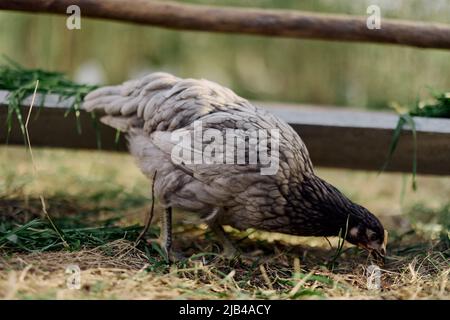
[229,250]
[165,236]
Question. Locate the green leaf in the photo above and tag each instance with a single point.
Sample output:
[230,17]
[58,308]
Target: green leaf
[394,142]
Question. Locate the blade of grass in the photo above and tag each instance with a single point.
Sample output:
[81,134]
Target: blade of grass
[340,246]
[394,142]
[410,121]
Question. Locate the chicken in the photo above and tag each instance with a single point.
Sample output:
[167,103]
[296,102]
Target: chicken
[291,199]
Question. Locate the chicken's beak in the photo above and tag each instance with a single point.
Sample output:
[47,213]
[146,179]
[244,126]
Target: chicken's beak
[381,252]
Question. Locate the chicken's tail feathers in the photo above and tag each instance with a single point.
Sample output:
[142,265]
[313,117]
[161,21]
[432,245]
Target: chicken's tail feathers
[119,123]
[130,97]
[123,124]
[101,99]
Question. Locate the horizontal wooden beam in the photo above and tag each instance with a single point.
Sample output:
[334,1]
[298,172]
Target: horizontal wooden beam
[335,137]
[284,23]
[355,139]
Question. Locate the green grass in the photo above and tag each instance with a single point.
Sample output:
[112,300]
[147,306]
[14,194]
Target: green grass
[21,82]
[313,280]
[83,229]
[437,107]
[70,228]
[38,235]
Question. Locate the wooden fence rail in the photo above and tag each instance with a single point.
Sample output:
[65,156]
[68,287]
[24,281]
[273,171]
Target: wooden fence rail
[335,137]
[284,23]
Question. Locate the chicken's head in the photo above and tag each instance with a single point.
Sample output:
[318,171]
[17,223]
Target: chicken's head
[366,231]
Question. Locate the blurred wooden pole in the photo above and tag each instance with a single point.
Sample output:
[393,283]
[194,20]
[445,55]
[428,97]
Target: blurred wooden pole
[283,23]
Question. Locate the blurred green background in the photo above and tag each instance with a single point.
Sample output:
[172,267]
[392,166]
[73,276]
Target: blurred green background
[290,70]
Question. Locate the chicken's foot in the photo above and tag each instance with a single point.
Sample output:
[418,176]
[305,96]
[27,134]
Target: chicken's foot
[229,250]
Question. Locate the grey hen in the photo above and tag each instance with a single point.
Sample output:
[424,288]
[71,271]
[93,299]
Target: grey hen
[293,200]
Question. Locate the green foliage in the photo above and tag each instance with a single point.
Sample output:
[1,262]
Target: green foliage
[39,235]
[439,107]
[21,82]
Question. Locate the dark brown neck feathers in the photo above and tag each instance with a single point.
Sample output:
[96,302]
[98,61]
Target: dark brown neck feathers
[319,209]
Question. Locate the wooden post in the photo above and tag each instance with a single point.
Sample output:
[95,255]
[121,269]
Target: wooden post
[283,23]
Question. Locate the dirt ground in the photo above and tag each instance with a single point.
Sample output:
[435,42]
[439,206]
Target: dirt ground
[81,190]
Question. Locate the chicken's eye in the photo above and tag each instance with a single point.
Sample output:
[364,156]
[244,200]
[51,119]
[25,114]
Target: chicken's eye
[373,237]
